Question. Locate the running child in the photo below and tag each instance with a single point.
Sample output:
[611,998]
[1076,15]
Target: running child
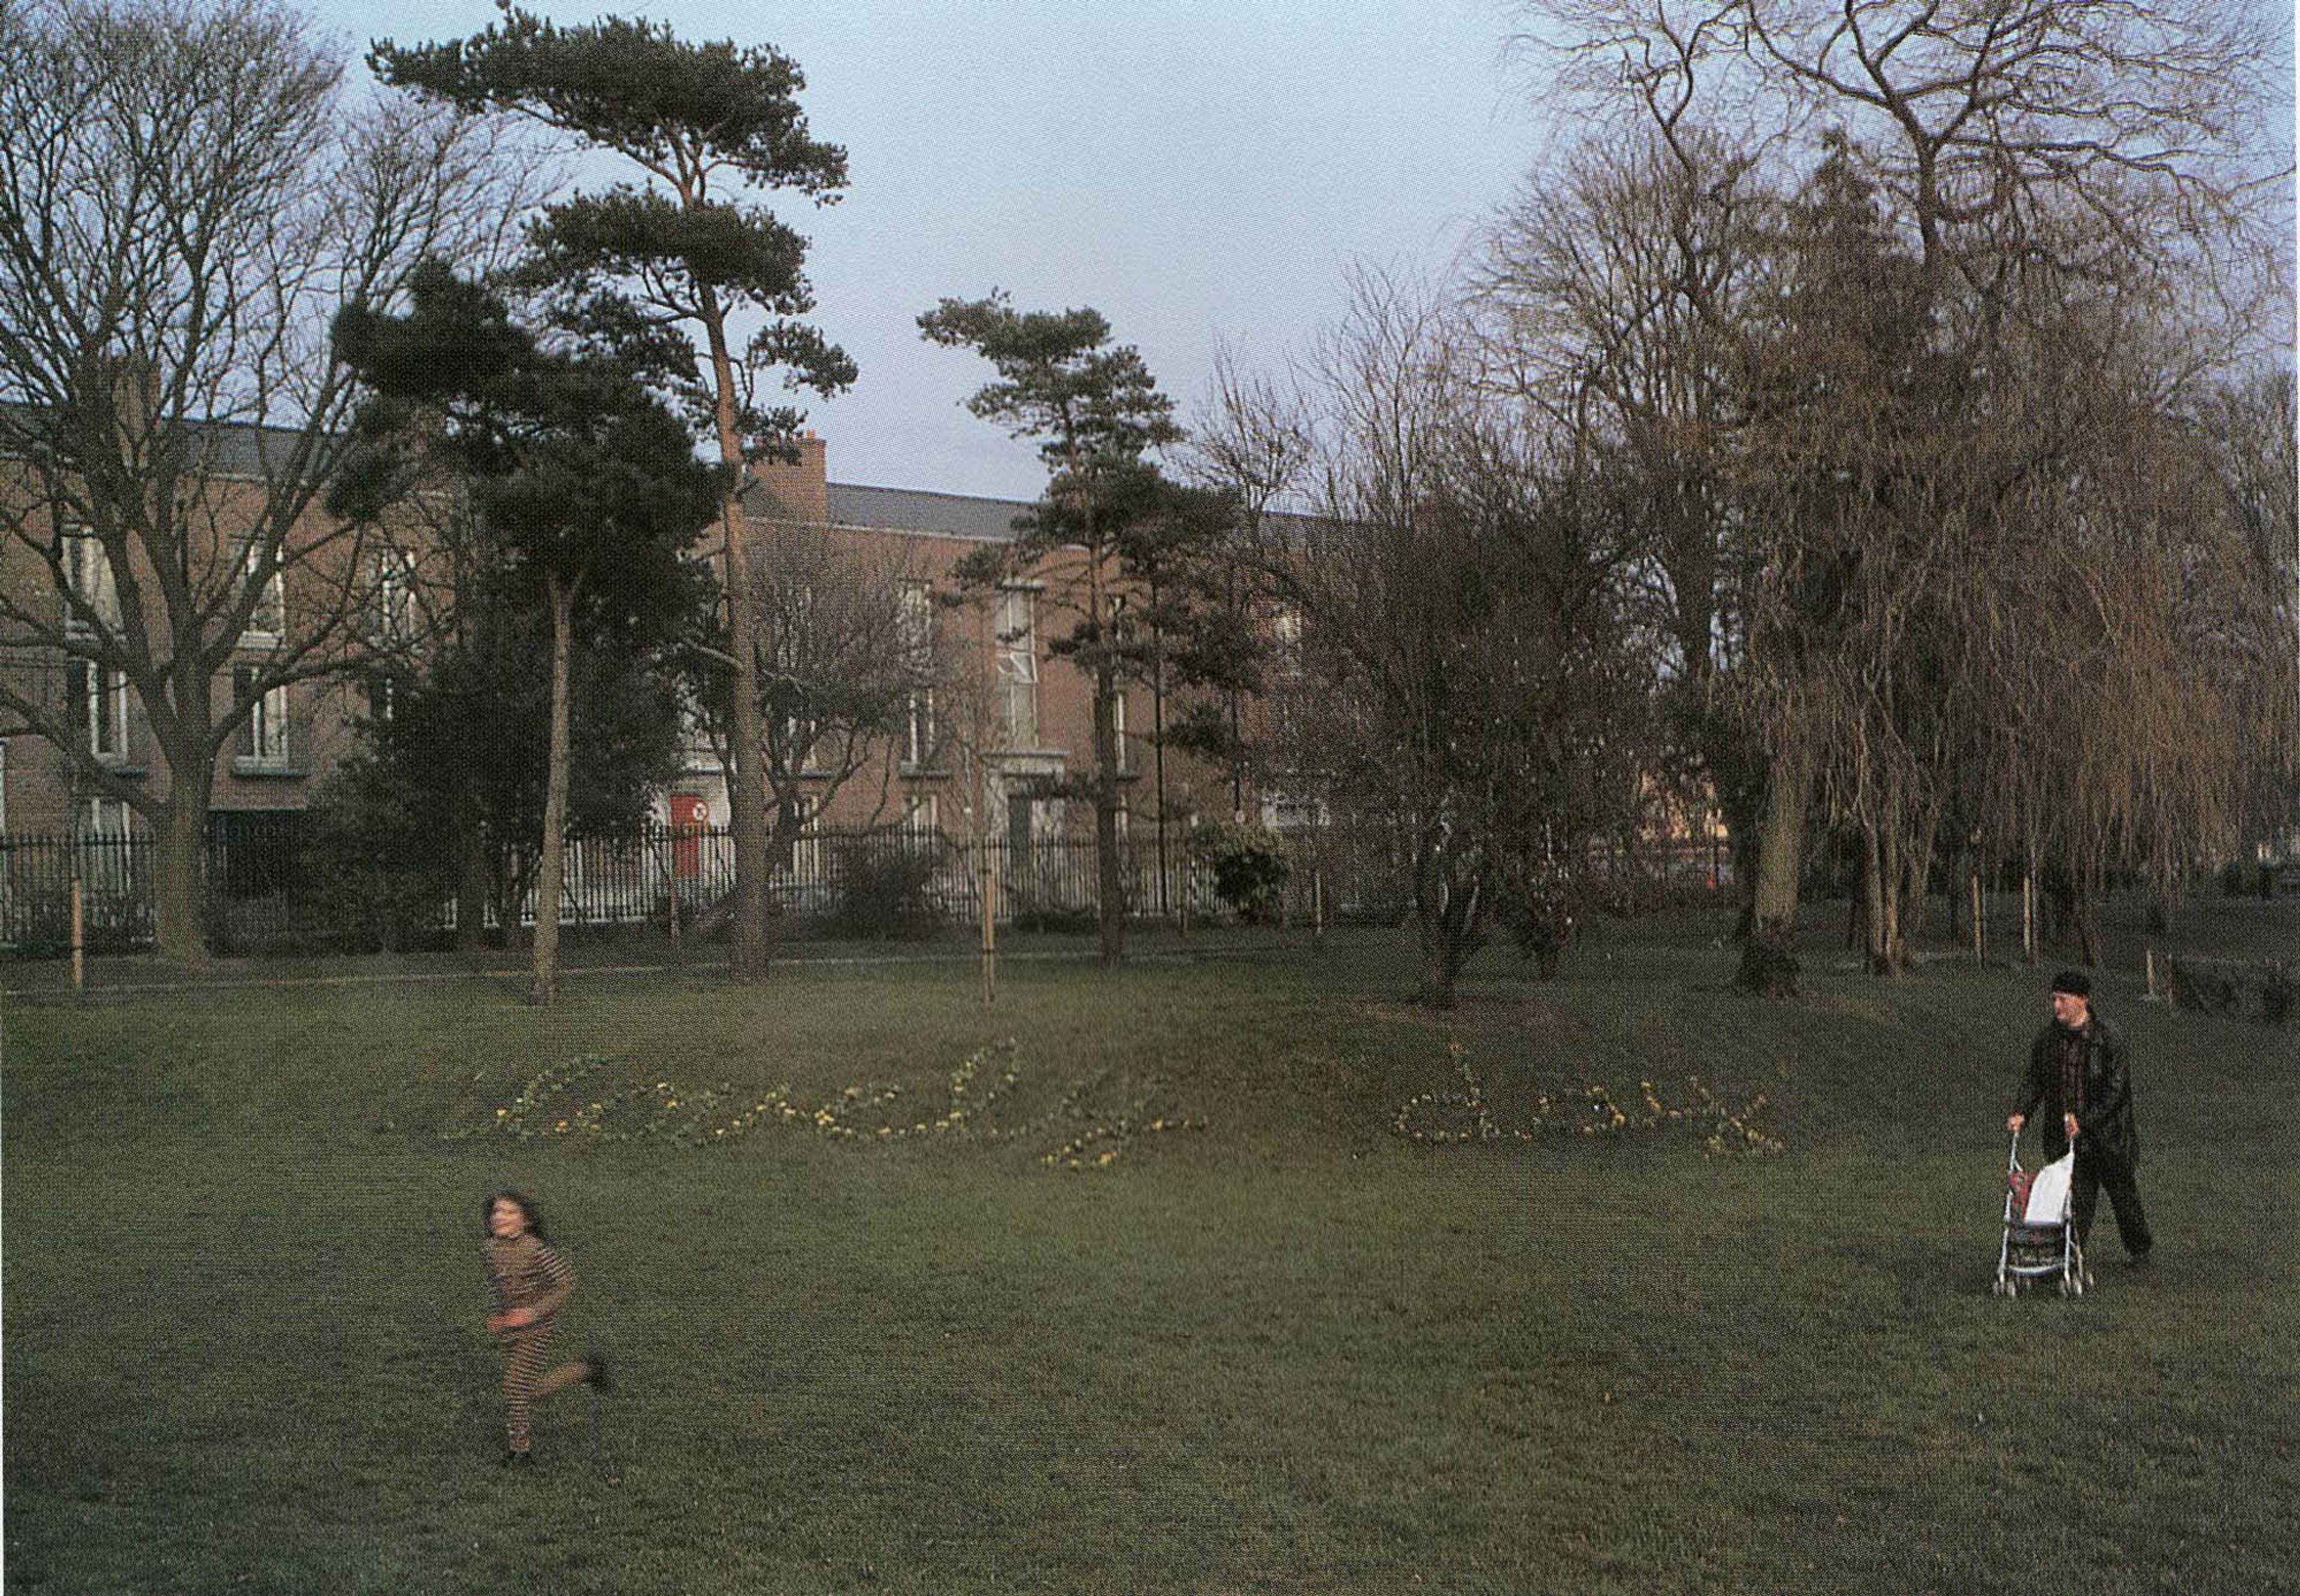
[530,1283]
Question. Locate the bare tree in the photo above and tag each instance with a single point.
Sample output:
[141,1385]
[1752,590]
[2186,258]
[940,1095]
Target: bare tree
[2036,163]
[189,196]
[1616,294]
[1459,624]
[1252,440]
[839,667]
[2250,428]
[1991,123]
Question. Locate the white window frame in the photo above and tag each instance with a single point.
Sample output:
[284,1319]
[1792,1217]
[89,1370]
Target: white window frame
[922,814]
[394,598]
[103,711]
[918,745]
[264,736]
[1118,730]
[87,573]
[790,659]
[1015,629]
[107,817]
[916,639]
[272,607]
[106,869]
[807,860]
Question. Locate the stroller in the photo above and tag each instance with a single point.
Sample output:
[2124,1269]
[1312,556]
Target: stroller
[2039,1243]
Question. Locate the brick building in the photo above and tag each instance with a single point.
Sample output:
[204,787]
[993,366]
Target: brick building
[992,722]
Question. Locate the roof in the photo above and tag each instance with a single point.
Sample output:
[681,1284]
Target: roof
[230,448]
[913,510]
[956,515]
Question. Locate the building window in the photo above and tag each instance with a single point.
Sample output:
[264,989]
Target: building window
[802,842]
[105,847]
[264,735]
[391,601]
[918,747]
[88,577]
[101,701]
[922,815]
[789,685]
[267,622]
[1118,732]
[915,637]
[1286,674]
[107,817]
[1286,637]
[1017,642]
[4,786]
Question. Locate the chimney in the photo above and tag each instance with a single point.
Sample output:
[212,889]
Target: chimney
[790,489]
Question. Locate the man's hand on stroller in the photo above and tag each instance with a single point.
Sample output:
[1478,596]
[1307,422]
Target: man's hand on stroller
[2013,1122]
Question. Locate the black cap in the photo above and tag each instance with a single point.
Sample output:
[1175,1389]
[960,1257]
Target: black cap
[2074,982]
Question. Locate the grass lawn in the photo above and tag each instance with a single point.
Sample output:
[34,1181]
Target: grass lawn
[1285,1341]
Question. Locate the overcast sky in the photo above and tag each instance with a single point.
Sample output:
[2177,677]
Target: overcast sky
[1204,173]
[1201,171]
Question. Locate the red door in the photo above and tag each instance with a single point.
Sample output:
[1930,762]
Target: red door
[689,814]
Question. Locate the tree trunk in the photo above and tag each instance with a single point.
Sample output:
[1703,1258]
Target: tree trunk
[747,796]
[1856,903]
[2086,923]
[180,860]
[746,789]
[551,873]
[1882,875]
[1449,918]
[1742,845]
[1110,894]
[1955,896]
[1769,965]
[472,879]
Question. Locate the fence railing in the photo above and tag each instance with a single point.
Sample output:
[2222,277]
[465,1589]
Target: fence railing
[114,870]
[258,892]
[820,874]
[256,883]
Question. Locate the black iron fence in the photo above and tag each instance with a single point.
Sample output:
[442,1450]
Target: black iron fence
[259,892]
[114,872]
[261,895]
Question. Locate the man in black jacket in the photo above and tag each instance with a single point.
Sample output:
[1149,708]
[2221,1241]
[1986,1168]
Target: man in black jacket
[2078,1074]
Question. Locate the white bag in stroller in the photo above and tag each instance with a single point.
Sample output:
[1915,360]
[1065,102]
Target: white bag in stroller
[2040,1239]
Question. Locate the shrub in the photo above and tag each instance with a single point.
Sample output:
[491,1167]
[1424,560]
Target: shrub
[1539,911]
[1249,868]
[885,892]
[373,856]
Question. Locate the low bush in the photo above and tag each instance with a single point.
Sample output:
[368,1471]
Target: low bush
[1249,868]
[884,893]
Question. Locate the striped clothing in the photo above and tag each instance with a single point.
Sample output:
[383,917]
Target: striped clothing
[527,1272]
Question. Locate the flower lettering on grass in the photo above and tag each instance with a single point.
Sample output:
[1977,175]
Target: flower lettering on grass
[1457,1118]
[579,1099]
